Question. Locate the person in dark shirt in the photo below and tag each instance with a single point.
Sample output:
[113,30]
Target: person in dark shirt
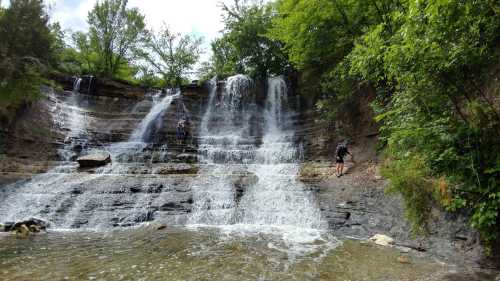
[340,153]
[180,132]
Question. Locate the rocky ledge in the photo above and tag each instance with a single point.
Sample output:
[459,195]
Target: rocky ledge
[94,160]
[357,205]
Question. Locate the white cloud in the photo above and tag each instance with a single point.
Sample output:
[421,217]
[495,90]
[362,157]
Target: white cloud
[202,17]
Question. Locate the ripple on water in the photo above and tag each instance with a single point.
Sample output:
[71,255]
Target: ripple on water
[204,254]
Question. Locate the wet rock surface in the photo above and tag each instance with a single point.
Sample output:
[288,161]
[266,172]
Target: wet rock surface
[94,160]
[26,227]
[357,205]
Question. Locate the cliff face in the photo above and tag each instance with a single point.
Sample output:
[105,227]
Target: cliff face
[109,111]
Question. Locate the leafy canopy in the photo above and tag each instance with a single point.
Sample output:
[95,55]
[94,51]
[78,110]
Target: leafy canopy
[171,55]
[26,48]
[115,31]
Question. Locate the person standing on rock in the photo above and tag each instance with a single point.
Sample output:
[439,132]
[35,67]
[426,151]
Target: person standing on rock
[340,153]
[180,132]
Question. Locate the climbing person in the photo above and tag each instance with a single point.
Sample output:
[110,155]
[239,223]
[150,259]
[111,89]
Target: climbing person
[180,132]
[340,153]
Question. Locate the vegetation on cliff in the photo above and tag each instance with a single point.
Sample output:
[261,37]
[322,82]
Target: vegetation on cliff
[118,45]
[429,62]
[26,51]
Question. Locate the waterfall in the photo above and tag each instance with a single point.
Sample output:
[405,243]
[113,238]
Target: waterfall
[76,84]
[276,198]
[68,198]
[141,132]
[32,198]
[91,78]
[68,116]
[225,145]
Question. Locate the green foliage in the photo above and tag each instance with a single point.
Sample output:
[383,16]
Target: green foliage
[428,62]
[148,78]
[410,176]
[26,49]
[245,46]
[318,34]
[115,32]
[171,55]
[224,58]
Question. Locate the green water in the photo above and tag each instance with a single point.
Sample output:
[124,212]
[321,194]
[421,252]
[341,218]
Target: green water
[203,254]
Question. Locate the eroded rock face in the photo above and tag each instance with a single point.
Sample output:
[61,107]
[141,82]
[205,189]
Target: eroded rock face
[94,160]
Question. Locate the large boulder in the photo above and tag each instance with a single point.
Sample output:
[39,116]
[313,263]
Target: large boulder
[94,160]
[26,227]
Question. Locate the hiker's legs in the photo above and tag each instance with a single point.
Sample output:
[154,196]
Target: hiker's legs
[341,168]
[337,169]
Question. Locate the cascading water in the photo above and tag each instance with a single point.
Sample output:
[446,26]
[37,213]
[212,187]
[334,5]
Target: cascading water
[76,84]
[105,197]
[277,198]
[132,149]
[33,197]
[143,129]
[225,145]
[145,191]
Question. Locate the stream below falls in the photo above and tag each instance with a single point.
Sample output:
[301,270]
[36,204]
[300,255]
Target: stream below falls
[179,253]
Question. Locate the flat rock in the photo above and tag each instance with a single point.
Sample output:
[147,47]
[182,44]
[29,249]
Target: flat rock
[94,160]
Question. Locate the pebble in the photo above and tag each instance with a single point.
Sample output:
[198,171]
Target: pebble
[404,259]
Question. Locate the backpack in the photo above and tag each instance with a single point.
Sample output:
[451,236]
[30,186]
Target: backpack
[341,151]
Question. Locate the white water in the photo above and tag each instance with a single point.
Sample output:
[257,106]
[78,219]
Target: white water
[69,199]
[278,198]
[140,133]
[225,145]
[76,85]
[132,150]
[33,197]
[277,201]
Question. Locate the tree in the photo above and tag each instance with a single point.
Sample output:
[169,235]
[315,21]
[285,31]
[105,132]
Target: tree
[26,48]
[244,46]
[115,31]
[224,60]
[431,64]
[171,54]
[428,62]
[317,36]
